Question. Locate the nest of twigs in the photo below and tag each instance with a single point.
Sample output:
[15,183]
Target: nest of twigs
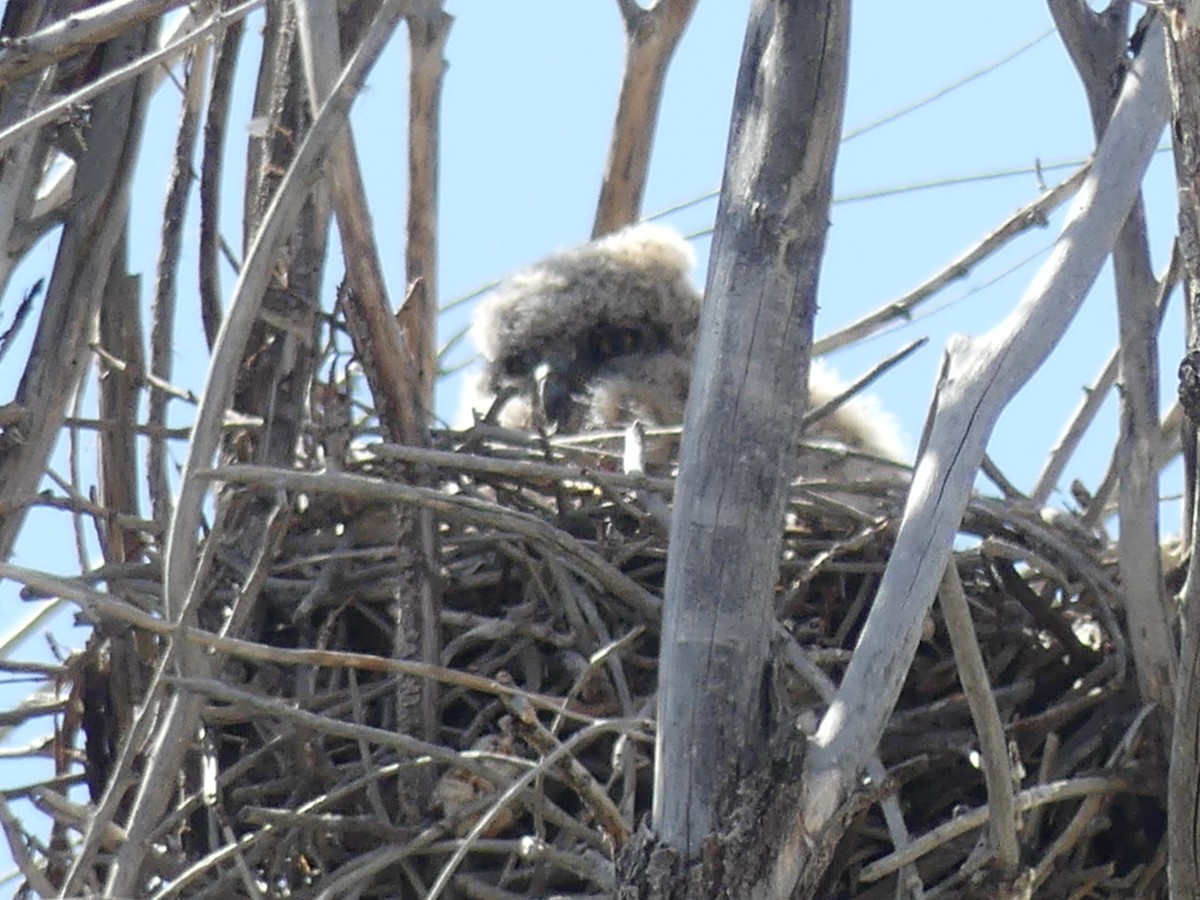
[311,779]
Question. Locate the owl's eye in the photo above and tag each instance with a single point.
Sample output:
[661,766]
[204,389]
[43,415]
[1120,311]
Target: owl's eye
[607,342]
[518,365]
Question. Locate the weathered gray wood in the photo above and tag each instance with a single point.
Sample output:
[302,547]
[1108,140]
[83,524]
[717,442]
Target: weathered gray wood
[978,379]
[177,722]
[1183,778]
[60,352]
[651,36]
[1097,43]
[745,409]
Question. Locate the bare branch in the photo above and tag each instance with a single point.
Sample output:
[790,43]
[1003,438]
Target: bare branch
[179,720]
[216,125]
[162,333]
[755,339]
[1029,216]
[428,28]
[80,30]
[978,378]
[60,352]
[1097,43]
[62,108]
[651,36]
[1183,782]
[972,674]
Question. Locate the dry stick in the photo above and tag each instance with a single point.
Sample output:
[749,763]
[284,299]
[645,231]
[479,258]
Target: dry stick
[216,125]
[1098,46]
[620,586]
[1098,508]
[121,775]
[181,592]
[1084,818]
[180,882]
[428,29]
[117,402]
[43,211]
[392,373]
[247,297]
[1039,795]
[70,103]
[978,378]
[901,308]
[860,384]
[574,774]
[404,357]
[524,470]
[104,607]
[177,729]
[92,231]
[290,711]
[33,872]
[972,674]
[162,329]
[651,36]
[74,33]
[134,370]
[21,185]
[567,749]
[1097,43]
[420,603]
[893,813]
[412,747]
[1033,821]
[1094,396]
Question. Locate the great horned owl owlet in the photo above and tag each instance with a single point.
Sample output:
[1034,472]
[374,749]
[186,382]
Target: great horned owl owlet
[602,334]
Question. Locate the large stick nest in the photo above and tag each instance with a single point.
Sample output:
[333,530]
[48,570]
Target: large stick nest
[550,568]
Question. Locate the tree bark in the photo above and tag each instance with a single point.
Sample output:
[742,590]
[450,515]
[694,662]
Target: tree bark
[1097,43]
[745,410]
[651,36]
[1183,788]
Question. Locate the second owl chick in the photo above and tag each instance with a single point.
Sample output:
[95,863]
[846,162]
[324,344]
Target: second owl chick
[602,334]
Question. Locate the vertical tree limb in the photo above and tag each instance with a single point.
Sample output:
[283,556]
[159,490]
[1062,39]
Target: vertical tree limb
[162,332]
[216,126]
[979,377]
[428,28]
[1097,43]
[973,675]
[60,350]
[1183,780]
[745,409]
[416,616]
[651,36]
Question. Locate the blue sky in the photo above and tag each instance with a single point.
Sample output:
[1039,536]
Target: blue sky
[528,105]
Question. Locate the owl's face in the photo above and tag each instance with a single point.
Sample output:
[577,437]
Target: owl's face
[592,337]
[608,375]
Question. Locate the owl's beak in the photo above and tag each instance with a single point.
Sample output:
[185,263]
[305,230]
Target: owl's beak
[553,393]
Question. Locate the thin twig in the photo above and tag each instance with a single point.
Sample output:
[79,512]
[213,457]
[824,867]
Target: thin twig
[972,674]
[1029,216]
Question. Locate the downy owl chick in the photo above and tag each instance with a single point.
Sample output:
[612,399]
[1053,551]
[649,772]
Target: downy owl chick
[602,334]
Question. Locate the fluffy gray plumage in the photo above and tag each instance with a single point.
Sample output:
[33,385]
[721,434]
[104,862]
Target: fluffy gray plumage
[599,335]
[604,333]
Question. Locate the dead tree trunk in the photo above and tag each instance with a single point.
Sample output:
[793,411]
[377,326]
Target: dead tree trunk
[743,423]
[1183,790]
